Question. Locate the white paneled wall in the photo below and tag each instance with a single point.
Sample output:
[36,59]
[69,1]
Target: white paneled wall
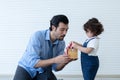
[20,18]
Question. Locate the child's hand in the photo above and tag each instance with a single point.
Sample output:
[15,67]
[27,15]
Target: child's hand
[75,44]
[69,45]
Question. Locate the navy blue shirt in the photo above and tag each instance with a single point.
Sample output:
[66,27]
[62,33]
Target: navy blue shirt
[39,48]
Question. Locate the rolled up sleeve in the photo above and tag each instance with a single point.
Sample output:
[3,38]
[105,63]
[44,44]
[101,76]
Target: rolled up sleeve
[33,50]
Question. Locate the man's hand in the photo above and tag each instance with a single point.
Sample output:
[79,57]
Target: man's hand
[62,59]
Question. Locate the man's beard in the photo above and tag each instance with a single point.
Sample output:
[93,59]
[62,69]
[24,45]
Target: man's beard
[61,38]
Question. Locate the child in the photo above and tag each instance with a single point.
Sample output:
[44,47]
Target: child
[89,58]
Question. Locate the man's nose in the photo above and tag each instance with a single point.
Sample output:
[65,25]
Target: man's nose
[65,32]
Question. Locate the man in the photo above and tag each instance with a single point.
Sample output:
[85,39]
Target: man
[45,52]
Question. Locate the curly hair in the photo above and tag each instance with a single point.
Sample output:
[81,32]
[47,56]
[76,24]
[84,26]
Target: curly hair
[94,26]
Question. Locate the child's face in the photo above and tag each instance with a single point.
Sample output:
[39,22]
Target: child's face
[89,33]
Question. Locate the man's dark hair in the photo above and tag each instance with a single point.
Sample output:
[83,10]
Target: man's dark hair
[57,19]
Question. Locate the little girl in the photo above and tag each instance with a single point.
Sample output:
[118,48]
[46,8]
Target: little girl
[89,58]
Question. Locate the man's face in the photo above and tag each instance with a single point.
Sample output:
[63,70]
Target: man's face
[60,31]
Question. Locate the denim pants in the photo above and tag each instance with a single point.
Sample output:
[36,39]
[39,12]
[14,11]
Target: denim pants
[89,66]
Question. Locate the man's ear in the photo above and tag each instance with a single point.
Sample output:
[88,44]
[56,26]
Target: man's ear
[53,27]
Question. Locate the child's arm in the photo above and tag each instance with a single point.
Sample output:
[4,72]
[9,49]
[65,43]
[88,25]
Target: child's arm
[81,48]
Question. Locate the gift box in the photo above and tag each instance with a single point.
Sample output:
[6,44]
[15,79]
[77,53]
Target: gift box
[72,53]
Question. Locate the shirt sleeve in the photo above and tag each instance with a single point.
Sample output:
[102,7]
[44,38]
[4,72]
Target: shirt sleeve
[93,43]
[33,50]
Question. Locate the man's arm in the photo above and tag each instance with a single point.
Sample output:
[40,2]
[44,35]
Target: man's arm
[44,63]
[61,60]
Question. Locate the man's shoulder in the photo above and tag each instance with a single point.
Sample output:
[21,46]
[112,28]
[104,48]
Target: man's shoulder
[40,32]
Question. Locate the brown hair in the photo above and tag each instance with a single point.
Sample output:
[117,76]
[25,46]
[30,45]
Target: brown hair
[94,26]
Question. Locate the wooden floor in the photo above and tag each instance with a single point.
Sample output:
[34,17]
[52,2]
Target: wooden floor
[95,79]
[65,78]
[6,78]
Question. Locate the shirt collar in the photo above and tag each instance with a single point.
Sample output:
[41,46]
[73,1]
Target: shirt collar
[90,38]
[47,37]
